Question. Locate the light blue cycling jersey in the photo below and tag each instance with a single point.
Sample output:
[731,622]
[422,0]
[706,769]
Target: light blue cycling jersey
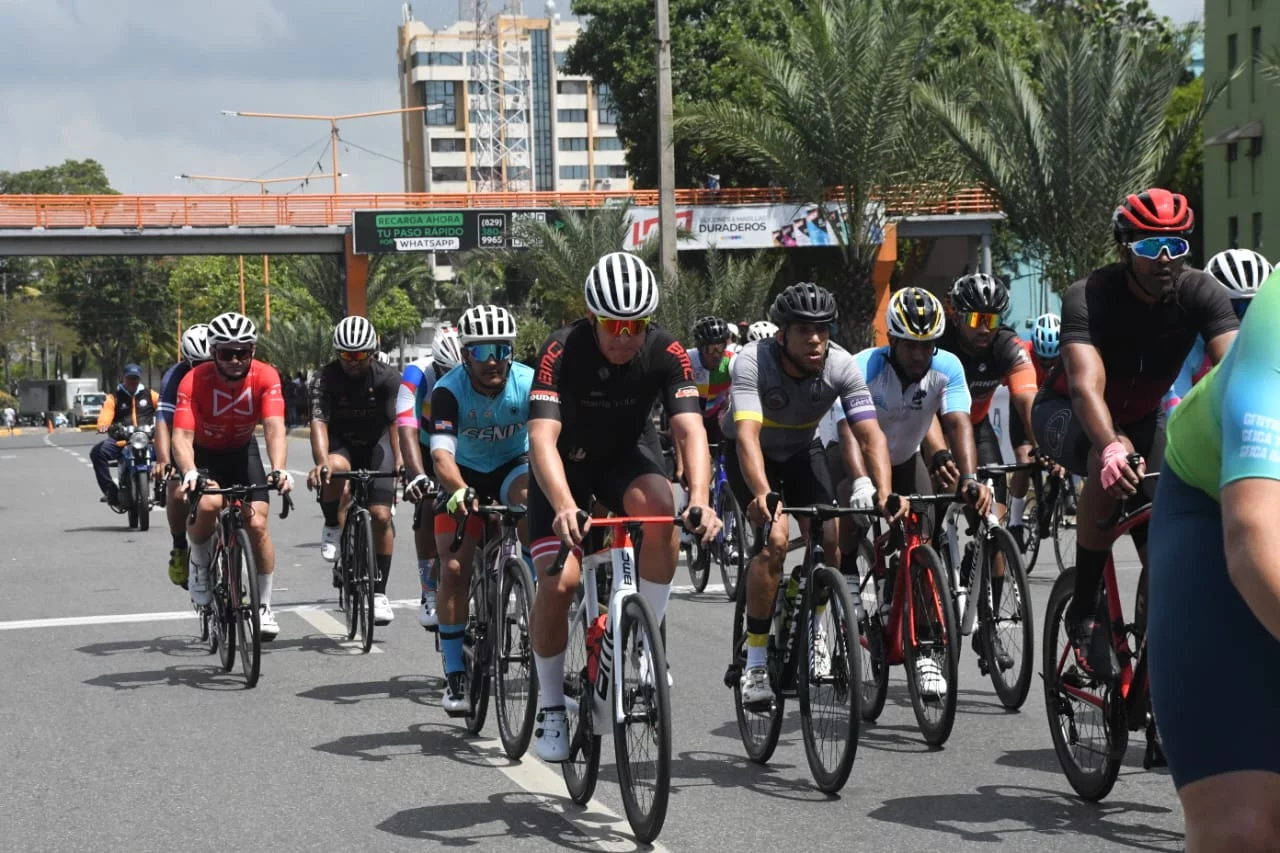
[482,432]
[1193,370]
[906,412]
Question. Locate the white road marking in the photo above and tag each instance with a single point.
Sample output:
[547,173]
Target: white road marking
[595,819]
[172,615]
[9,456]
[323,622]
[685,589]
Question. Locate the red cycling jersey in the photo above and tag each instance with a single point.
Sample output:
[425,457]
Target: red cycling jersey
[223,415]
[1041,370]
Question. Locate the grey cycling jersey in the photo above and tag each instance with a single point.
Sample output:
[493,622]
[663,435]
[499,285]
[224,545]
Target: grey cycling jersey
[789,409]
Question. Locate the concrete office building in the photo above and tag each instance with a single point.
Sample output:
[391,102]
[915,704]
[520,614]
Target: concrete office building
[1241,165]
[500,114]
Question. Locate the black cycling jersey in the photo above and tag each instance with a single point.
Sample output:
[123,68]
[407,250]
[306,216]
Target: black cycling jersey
[604,408]
[1142,346]
[1004,361]
[359,410]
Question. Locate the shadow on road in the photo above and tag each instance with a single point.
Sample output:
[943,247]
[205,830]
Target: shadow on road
[724,770]
[173,645]
[1016,815]
[422,689]
[502,818]
[433,739]
[199,677]
[114,528]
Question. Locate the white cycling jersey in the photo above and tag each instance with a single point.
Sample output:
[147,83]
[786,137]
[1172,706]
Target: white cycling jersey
[905,412]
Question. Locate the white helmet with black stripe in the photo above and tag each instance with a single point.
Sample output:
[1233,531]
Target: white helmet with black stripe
[232,328]
[354,334]
[1241,271]
[621,287]
[195,343]
[486,323]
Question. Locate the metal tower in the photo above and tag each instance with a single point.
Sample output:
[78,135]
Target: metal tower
[499,90]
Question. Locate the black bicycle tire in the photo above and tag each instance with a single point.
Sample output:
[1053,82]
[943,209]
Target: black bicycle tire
[348,545]
[872,640]
[365,578]
[142,499]
[1012,697]
[645,824]
[733,580]
[583,741]
[935,734]
[249,621]
[830,780]
[1058,523]
[759,750]
[224,593]
[1031,532]
[1081,782]
[477,646]
[515,740]
[699,566]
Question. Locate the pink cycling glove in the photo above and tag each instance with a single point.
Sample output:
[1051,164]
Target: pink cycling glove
[1114,463]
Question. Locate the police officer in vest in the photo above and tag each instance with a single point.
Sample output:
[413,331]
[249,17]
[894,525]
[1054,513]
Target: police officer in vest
[131,402]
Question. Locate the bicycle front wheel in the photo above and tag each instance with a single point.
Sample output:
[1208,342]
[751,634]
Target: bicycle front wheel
[517,678]
[931,646]
[246,607]
[225,596]
[642,738]
[365,566]
[830,685]
[699,565]
[582,769]
[731,553]
[476,649]
[1063,526]
[1007,630]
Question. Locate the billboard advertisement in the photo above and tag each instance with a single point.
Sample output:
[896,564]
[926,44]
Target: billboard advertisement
[760,226]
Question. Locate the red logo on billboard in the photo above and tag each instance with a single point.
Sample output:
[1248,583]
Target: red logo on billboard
[640,230]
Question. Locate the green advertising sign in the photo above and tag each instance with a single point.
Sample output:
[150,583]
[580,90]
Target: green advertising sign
[389,231]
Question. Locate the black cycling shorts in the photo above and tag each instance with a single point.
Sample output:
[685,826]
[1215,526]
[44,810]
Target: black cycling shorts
[802,479]
[835,464]
[1059,433]
[374,457]
[239,466]
[492,486]
[1213,686]
[987,443]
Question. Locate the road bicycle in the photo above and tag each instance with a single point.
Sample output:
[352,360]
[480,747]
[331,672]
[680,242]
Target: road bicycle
[357,567]
[232,617]
[1001,625]
[908,617]
[616,670]
[729,548]
[1090,718]
[496,647]
[812,655]
[1049,514]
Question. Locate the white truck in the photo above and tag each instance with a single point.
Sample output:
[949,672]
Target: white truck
[80,399]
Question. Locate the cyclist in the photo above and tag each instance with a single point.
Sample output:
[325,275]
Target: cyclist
[219,405]
[1126,329]
[131,402]
[353,414]
[783,387]
[1214,564]
[413,422]
[479,441]
[914,383]
[760,330]
[1043,349]
[590,434]
[195,350]
[711,362]
[1241,272]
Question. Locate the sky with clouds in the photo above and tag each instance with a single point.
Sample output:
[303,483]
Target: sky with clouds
[139,85]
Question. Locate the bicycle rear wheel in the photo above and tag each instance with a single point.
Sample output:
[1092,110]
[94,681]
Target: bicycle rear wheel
[935,639]
[245,605]
[830,684]
[365,566]
[1008,628]
[582,769]
[873,666]
[731,554]
[476,649]
[517,678]
[1089,737]
[642,739]
[1063,526]
[759,729]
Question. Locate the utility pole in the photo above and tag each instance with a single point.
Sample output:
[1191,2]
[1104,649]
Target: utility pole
[666,147]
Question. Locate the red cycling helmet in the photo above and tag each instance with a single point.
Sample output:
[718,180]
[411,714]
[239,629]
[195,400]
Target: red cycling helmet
[1153,211]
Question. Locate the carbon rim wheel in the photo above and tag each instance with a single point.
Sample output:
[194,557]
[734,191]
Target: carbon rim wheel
[642,740]
[582,769]
[935,639]
[517,679]
[829,680]
[1009,626]
[248,621]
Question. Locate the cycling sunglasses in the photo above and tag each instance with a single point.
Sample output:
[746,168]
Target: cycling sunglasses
[233,353]
[354,356]
[618,328]
[981,320]
[1151,247]
[484,352]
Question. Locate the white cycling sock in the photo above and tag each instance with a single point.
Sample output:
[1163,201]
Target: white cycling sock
[657,594]
[265,583]
[198,553]
[1016,508]
[550,679]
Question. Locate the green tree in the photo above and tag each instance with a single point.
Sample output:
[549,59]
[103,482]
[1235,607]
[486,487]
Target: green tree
[531,332]
[71,177]
[1060,147]
[732,285]
[1188,175]
[300,344]
[835,112]
[1135,16]
[394,316]
[478,279]
[1270,64]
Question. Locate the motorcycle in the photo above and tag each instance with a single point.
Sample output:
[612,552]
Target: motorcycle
[133,479]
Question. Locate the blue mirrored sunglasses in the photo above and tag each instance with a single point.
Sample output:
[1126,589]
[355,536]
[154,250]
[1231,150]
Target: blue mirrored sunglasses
[1151,247]
[484,352]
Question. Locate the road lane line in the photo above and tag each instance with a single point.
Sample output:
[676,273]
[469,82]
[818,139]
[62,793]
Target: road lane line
[609,829]
[336,631]
[169,616]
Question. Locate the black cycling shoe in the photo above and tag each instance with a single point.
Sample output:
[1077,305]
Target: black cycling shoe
[1092,647]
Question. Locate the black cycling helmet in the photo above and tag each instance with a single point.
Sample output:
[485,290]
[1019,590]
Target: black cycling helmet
[979,293]
[710,330]
[804,302]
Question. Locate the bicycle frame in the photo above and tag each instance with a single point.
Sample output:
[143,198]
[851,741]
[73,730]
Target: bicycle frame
[967,603]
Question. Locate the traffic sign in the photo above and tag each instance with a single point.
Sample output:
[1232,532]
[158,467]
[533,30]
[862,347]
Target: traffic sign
[391,231]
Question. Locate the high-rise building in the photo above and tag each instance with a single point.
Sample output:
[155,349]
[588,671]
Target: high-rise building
[500,113]
[1241,168]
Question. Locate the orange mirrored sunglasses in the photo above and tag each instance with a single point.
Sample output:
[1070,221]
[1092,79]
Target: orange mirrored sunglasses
[618,328]
[354,356]
[978,320]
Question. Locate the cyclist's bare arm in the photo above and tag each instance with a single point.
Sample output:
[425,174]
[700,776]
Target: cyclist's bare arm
[1021,405]
[690,439]
[397,452]
[1087,379]
[850,452]
[277,435]
[548,467]
[1217,347]
[184,451]
[751,462]
[447,471]
[875,454]
[164,454]
[410,450]
[959,430]
[1253,545]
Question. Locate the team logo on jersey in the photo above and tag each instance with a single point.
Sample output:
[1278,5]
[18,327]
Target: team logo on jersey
[687,392]
[1055,431]
[816,389]
[603,373]
[547,364]
[677,349]
[545,397]
[775,398]
[917,398]
[241,404]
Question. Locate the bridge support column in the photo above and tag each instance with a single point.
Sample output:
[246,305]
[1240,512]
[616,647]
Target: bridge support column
[886,260]
[355,279]
[986,253]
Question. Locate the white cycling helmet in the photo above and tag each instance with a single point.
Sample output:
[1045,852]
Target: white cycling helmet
[446,352]
[915,314]
[354,334]
[195,343]
[232,328]
[621,287]
[1241,271]
[1045,336]
[486,323]
[760,330]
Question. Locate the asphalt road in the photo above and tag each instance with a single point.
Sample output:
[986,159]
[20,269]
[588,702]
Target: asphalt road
[117,731]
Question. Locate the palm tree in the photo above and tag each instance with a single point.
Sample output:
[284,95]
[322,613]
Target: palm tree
[1271,66]
[733,286]
[836,112]
[302,343]
[1061,145]
[320,275]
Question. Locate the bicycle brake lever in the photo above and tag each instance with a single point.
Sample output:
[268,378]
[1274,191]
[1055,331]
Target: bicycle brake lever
[563,554]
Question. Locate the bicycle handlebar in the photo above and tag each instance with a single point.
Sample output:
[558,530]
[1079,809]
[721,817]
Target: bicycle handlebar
[1013,468]
[237,491]
[1125,507]
[695,519]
